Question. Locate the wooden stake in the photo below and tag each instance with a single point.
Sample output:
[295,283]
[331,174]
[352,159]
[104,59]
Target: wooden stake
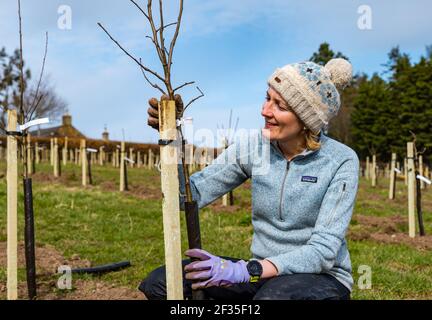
[52,151]
[56,158]
[77,160]
[392,177]
[65,151]
[101,156]
[122,167]
[411,189]
[37,156]
[150,159]
[139,163]
[12,196]
[374,171]
[426,174]
[29,155]
[421,172]
[131,156]
[367,168]
[406,171]
[117,158]
[170,201]
[83,157]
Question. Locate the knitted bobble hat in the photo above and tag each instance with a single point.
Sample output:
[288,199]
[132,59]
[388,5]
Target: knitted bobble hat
[311,90]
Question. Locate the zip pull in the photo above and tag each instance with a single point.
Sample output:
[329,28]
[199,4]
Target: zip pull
[288,164]
[344,185]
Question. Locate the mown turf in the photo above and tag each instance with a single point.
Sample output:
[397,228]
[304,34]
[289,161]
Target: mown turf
[103,225]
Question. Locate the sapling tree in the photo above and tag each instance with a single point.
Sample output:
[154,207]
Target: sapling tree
[163,83]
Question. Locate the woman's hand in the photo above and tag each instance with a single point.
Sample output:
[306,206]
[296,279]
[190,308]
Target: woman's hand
[153,111]
[211,270]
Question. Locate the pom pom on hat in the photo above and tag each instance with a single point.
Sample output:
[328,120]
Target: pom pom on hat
[340,72]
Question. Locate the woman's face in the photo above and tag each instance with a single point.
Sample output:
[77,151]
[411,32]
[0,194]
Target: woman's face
[281,122]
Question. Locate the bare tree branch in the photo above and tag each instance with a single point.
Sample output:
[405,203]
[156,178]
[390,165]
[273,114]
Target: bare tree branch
[162,45]
[193,100]
[156,43]
[130,56]
[21,108]
[183,85]
[173,42]
[34,104]
[154,85]
[166,26]
[140,9]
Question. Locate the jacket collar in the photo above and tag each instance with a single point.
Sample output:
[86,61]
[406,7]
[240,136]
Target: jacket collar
[306,152]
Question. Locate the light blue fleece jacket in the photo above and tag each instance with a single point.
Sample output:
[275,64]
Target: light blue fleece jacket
[301,208]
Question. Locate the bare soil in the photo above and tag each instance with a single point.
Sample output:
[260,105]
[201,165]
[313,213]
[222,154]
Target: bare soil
[48,259]
[386,230]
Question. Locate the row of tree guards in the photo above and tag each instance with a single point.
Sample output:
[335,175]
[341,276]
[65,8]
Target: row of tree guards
[416,176]
[60,152]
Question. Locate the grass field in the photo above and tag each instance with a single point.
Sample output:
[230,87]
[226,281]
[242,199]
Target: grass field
[101,225]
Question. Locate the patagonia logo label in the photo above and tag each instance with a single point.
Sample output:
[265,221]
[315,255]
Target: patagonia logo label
[309,179]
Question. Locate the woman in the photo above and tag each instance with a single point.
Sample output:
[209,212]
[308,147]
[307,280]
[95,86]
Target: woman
[302,206]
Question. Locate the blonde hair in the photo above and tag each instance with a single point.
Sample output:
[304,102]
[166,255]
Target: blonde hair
[312,140]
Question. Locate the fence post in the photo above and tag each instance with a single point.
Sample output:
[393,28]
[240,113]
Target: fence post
[12,198]
[406,171]
[411,188]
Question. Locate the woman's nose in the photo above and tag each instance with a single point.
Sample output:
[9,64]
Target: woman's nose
[266,110]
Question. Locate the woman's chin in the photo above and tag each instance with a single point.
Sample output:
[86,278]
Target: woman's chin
[268,134]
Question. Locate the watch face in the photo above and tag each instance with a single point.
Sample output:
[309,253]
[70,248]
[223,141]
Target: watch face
[254,268]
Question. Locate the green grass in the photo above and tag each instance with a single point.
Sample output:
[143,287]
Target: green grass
[103,225]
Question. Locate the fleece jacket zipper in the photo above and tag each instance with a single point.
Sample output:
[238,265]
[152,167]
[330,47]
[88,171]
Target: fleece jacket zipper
[282,191]
[337,203]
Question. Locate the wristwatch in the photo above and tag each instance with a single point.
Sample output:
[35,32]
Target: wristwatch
[255,270]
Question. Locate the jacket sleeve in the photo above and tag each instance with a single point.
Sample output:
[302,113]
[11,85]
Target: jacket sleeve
[318,255]
[224,174]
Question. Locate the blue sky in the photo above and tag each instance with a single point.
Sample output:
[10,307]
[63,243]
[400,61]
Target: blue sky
[228,47]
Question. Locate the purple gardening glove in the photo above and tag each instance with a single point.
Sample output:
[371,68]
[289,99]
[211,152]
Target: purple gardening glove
[214,271]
